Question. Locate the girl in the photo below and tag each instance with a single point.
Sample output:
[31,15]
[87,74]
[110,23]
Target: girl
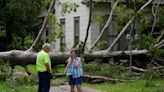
[74,71]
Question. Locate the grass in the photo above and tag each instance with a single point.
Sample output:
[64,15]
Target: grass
[59,68]
[24,88]
[137,86]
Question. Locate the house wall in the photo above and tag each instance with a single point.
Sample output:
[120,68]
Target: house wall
[110,33]
[95,28]
[83,13]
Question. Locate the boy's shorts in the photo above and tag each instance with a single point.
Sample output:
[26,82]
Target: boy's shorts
[75,81]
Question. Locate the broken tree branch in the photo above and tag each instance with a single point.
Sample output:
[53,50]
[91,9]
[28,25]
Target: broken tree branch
[126,26]
[108,22]
[160,44]
[99,78]
[138,69]
[89,23]
[158,39]
[154,12]
[43,26]
[103,79]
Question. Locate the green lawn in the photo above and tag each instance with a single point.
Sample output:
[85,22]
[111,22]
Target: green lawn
[24,88]
[137,86]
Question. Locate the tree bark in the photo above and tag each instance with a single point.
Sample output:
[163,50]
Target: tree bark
[98,79]
[158,39]
[89,23]
[43,26]
[104,79]
[126,26]
[154,12]
[106,25]
[23,58]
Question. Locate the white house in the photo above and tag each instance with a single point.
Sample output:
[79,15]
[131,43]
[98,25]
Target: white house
[75,24]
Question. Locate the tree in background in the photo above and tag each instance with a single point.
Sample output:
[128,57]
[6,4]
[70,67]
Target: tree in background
[18,17]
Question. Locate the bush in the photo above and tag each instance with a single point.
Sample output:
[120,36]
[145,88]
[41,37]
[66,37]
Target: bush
[5,70]
[112,70]
[149,75]
[160,88]
[103,44]
[22,80]
[33,79]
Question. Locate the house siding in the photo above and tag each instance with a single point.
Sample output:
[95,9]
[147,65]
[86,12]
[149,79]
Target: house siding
[83,14]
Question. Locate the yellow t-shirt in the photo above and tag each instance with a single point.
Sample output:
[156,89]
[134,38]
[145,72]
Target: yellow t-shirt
[42,59]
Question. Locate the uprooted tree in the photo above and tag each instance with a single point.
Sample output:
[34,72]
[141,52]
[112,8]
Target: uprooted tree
[153,43]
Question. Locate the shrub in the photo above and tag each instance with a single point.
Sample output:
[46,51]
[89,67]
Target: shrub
[5,70]
[112,70]
[149,75]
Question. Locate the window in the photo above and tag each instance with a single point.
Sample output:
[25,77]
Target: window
[62,38]
[76,30]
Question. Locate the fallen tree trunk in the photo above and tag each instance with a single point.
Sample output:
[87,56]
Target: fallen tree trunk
[104,54]
[98,79]
[95,79]
[23,58]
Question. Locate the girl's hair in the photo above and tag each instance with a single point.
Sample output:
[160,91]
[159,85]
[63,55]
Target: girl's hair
[76,51]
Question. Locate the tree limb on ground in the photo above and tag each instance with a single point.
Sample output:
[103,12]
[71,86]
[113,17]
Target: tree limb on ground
[95,79]
[143,70]
[138,69]
[105,79]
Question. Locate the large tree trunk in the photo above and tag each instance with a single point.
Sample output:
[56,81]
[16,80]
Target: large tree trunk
[18,57]
[23,58]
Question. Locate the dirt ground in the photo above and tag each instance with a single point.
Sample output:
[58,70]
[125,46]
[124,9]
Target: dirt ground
[66,88]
